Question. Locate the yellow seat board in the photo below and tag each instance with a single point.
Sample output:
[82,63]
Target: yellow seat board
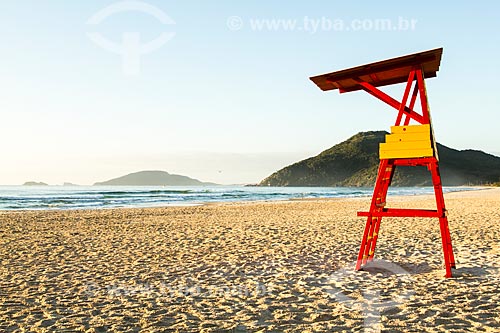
[411,129]
[408,145]
[403,137]
[415,153]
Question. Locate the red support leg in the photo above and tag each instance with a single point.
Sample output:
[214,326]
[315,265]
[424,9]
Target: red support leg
[423,97]
[382,197]
[359,262]
[449,257]
[443,225]
[370,235]
[369,227]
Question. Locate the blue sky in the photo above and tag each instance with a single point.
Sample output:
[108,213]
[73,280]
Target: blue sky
[224,104]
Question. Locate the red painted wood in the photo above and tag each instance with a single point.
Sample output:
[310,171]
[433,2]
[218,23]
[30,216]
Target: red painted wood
[402,212]
[412,69]
[386,171]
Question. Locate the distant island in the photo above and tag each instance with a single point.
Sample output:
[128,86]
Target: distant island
[35,184]
[153,178]
[354,162]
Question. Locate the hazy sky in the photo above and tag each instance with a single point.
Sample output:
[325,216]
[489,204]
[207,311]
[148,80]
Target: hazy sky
[221,96]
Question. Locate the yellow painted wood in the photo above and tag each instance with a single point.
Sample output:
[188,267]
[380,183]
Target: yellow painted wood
[403,137]
[386,154]
[408,145]
[411,129]
[410,141]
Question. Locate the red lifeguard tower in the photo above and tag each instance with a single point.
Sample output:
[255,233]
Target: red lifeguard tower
[407,145]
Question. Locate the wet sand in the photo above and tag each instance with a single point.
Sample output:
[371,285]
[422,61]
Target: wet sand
[250,267]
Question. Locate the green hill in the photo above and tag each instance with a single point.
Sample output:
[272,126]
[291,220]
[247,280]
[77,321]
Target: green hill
[354,162]
[153,178]
[35,184]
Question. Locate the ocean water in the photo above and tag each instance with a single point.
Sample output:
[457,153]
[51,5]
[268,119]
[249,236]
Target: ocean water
[95,197]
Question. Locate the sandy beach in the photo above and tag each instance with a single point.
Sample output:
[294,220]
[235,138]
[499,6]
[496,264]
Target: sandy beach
[250,267]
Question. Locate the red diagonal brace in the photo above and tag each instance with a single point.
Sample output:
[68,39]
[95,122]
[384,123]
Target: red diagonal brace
[412,103]
[411,77]
[389,100]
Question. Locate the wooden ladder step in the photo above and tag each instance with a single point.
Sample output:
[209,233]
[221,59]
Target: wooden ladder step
[403,212]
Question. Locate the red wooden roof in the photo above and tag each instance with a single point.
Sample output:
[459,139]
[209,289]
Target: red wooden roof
[381,73]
